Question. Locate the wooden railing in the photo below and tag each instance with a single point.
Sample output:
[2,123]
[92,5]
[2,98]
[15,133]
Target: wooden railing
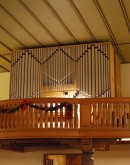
[86,113]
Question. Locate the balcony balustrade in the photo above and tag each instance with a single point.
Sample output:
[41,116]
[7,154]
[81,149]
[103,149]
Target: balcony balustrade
[65,117]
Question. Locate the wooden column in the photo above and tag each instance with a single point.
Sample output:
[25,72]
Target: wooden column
[88,148]
[87,157]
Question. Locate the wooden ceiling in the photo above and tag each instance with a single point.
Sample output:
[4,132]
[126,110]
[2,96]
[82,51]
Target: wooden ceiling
[42,23]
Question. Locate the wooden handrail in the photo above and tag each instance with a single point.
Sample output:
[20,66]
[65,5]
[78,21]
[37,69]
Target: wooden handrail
[72,100]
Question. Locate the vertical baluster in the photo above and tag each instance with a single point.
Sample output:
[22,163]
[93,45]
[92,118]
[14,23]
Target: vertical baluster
[104,114]
[7,120]
[120,115]
[128,115]
[94,115]
[75,116]
[1,120]
[41,115]
[100,109]
[13,120]
[62,117]
[125,115]
[110,123]
[46,118]
[71,121]
[24,119]
[115,114]
[4,121]
[28,117]
[36,114]
[20,118]
[56,117]
[51,117]
[66,120]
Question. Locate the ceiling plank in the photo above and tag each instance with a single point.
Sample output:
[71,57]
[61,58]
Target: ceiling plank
[110,31]
[7,47]
[12,36]
[125,14]
[6,70]
[39,22]
[82,19]
[60,20]
[6,59]
[10,15]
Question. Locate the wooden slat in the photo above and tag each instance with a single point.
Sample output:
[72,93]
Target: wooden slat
[36,113]
[46,118]
[61,118]
[115,115]
[75,116]
[4,121]
[110,123]
[104,115]
[125,115]
[66,120]
[99,115]
[56,118]
[94,116]
[120,115]
[41,115]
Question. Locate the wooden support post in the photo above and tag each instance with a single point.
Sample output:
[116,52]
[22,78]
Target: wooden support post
[87,151]
[87,157]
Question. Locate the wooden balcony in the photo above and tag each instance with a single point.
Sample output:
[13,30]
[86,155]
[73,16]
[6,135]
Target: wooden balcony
[65,118]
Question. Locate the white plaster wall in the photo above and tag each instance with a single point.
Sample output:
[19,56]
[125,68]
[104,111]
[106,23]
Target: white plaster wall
[4,85]
[125,80]
[16,158]
[118,155]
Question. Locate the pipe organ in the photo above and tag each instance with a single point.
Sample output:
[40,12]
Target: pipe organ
[86,70]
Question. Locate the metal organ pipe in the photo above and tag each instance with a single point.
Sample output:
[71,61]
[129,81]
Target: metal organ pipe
[35,71]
